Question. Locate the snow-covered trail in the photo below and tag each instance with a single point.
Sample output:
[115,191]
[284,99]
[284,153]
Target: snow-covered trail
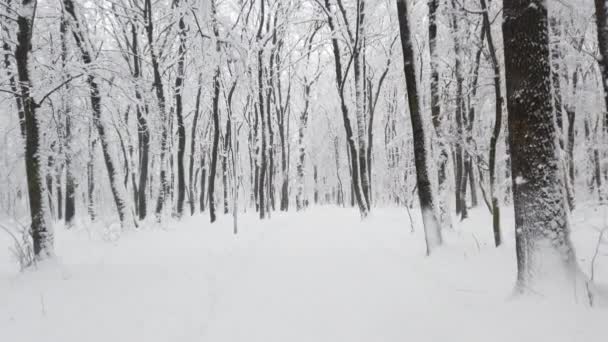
[318,276]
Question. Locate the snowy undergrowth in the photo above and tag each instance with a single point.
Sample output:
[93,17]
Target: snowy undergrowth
[322,275]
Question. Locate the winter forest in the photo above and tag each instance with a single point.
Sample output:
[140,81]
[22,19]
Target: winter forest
[303,170]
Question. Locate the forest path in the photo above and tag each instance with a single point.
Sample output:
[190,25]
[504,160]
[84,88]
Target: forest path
[321,275]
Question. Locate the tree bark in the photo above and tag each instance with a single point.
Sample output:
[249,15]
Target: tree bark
[42,236]
[70,178]
[601,19]
[425,191]
[545,256]
[350,140]
[191,176]
[216,125]
[497,125]
[162,111]
[181,128]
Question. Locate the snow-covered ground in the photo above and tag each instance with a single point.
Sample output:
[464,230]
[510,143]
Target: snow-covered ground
[321,275]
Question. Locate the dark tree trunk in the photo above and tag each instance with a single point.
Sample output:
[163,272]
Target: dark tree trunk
[162,111]
[203,183]
[215,146]
[41,237]
[70,178]
[181,128]
[143,133]
[91,175]
[601,19]
[460,153]
[541,217]
[315,177]
[350,140]
[261,188]
[191,176]
[226,148]
[357,60]
[425,192]
[216,123]
[497,126]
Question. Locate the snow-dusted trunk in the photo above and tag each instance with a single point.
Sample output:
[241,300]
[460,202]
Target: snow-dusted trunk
[42,237]
[497,124]
[358,66]
[262,165]
[545,257]
[117,187]
[228,147]
[350,139]
[191,176]
[445,217]
[425,191]
[300,199]
[70,178]
[143,132]
[162,111]
[181,128]
[601,19]
[558,101]
[216,120]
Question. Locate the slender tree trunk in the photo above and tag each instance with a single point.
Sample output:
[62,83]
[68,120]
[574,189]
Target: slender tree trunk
[497,126]
[191,176]
[215,146]
[181,128]
[92,142]
[70,178]
[160,97]
[445,217]
[425,191]
[203,182]
[545,256]
[360,102]
[300,199]
[350,140]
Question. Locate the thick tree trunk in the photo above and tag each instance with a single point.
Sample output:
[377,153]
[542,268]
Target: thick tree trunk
[42,236]
[545,256]
[601,19]
[425,191]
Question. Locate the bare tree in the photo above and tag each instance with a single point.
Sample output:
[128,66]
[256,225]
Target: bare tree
[425,191]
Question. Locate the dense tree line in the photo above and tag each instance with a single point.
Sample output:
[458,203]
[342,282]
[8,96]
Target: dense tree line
[273,105]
